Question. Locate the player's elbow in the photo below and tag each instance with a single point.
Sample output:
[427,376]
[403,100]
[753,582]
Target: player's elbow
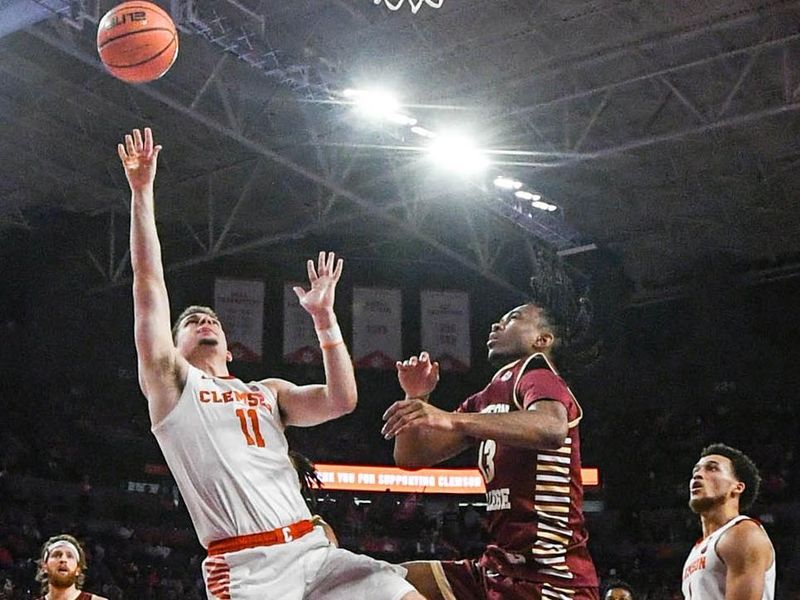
[552,437]
[407,460]
[347,402]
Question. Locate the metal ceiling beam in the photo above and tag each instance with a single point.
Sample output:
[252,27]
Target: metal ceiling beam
[651,75]
[364,203]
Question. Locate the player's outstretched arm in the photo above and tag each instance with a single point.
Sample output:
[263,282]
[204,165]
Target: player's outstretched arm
[748,554]
[162,372]
[306,405]
[423,434]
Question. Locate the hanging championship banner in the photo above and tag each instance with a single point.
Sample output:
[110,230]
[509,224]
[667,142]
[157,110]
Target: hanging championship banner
[376,327]
[445,328]
[240,306]
[300,343]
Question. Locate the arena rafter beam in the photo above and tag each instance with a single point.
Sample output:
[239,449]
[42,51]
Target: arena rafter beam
[325,182]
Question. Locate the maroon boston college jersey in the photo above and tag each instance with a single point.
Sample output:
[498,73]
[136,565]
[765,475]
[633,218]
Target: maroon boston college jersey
[534,497]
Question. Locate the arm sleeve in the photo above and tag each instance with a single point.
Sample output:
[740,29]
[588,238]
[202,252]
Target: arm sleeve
[543,384]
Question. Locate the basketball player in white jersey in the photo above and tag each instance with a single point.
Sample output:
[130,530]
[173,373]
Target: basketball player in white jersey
[223,439]
[734,560]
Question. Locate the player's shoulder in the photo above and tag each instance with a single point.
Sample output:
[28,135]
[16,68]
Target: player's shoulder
[745,539]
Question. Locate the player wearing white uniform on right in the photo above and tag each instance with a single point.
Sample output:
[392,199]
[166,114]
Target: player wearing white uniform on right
[223,439]
[734,560]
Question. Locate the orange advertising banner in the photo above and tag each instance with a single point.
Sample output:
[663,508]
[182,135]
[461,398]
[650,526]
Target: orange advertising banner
[358,478]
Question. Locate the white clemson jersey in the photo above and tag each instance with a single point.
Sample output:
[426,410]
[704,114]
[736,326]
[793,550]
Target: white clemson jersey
[225,446]
[704,571]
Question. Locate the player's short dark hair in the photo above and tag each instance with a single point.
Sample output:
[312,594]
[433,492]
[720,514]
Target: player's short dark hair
[307,476]
[615,584]
[744,469]
[191,310]
[41,574]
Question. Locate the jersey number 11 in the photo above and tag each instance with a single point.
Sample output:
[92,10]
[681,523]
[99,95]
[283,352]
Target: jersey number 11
[253,437]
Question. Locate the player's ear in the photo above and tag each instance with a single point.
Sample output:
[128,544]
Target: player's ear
[739,487]
[544,341]
[228,356]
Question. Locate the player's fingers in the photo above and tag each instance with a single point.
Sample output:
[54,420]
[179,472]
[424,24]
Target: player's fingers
[435,369]
[300,292]
[138,143]
[148,140]
[312,272]
[322,264]
[338,271]
[122,154]
[413,361]
[330,262]
[129,144]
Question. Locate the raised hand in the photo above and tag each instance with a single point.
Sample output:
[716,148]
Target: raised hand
[139,157]
[318,301]
[418,376]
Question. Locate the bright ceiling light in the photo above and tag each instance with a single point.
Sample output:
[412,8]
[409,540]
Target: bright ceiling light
[543,206]
[506,183]
[523,195]
[422,132]
[375,104]
[457,153]
[401,119]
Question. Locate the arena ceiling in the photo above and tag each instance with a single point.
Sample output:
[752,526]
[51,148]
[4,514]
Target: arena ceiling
[666,132]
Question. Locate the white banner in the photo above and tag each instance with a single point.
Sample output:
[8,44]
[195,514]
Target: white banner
[240,306]
[300,343]
[445,328]
[376,327]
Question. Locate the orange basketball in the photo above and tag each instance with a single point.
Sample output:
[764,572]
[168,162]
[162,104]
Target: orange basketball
[137,41]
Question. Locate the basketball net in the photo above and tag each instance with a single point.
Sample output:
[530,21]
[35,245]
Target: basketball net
[414,4]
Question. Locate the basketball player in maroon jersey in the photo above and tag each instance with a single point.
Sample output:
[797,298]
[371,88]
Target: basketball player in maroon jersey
[62,570]
[525,427]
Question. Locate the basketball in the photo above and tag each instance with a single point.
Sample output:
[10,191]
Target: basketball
[137,41]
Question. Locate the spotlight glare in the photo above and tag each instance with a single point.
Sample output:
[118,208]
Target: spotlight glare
[374,104]
[506,183]
[422,132]
[458,154]
[402,119]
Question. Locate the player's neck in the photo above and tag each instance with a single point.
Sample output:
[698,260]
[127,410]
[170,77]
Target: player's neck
[717,517]
[70,593]
[211,366]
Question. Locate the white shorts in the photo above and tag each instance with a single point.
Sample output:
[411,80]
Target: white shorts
[309,568]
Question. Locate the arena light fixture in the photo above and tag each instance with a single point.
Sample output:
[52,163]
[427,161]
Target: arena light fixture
[457,153]
[523,195]
[422,132]
[374,103]
[506,183]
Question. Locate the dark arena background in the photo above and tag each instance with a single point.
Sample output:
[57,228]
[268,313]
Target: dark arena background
[652,146]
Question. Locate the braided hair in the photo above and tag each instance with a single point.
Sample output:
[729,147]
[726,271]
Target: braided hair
[307,476]
[566,312]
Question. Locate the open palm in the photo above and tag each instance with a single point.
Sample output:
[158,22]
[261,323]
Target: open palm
[139,157]
[323,279]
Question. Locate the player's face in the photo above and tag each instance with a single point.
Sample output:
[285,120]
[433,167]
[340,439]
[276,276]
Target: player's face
[61,567]
[618,594]
[517,334]
[200,331]
[713,483]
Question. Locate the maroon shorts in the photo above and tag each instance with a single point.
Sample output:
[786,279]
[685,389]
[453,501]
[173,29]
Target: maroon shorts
[465,580]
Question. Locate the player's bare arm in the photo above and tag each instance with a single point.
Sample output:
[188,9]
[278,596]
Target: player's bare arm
[747,553]
[162,372]
[420,446]
[306,405]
